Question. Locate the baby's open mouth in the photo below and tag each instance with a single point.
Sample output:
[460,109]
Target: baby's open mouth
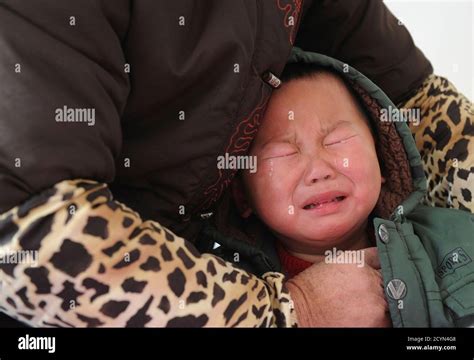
[318,204]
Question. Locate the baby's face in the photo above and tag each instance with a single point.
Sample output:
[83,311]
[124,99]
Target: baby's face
[318,174]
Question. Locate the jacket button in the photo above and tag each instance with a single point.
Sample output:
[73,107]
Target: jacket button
[396,289]
[271,79]
[383,234]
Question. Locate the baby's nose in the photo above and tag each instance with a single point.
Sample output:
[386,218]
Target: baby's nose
[318,170]
[325,178]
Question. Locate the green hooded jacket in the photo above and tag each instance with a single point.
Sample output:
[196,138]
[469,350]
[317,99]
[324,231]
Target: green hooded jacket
[425,252]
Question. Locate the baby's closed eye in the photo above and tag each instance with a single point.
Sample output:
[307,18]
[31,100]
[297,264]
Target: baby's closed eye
[279,151]
[338,139]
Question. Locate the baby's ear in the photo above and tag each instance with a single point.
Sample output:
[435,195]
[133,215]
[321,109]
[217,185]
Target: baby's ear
[384,180]
[240,197]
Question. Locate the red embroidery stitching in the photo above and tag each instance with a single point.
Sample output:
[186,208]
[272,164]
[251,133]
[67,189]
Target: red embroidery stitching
[239,143]
[294,11]
[245,131]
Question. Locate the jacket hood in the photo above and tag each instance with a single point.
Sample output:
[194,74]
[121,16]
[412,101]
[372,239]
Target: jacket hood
[399,158]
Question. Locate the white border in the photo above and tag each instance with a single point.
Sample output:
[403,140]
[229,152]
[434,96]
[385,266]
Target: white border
[472,26]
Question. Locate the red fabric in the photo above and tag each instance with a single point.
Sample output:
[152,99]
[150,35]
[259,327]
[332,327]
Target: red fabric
[291,264]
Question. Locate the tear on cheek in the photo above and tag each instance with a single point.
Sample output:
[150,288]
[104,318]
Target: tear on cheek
[270,168]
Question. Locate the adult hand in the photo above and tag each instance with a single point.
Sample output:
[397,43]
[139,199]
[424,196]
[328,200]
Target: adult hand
[341,295]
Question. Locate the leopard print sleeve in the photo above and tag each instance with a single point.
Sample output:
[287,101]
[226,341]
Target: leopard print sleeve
[73,257]
[445,139]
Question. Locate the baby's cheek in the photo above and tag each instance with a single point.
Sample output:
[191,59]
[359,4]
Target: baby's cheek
[265,184]
[277,171]
[350,165]
[276,184]
[362,170]
[357,165]
[280,216]
[266,168]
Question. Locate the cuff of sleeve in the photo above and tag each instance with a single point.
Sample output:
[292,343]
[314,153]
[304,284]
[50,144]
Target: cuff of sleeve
[282,303]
